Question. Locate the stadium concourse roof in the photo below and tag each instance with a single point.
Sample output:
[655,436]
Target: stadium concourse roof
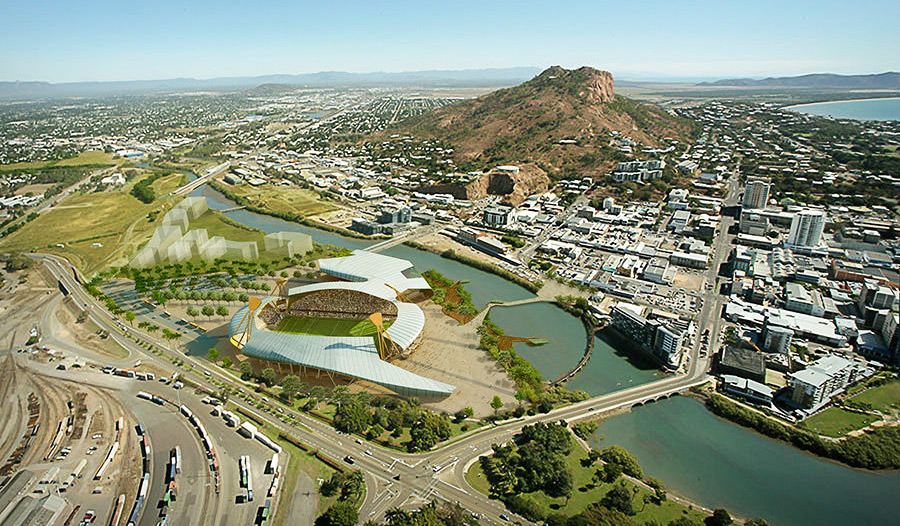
[352,356]
[377,269]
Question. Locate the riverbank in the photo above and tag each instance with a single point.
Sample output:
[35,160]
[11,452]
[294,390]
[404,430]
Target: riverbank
[877,449]
[294,218]
[480,265]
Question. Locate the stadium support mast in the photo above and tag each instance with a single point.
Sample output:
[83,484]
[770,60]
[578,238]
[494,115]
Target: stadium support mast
[241,334]
[378,321]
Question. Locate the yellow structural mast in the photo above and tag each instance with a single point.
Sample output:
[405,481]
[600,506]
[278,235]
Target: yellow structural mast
[241,334]
[384,351]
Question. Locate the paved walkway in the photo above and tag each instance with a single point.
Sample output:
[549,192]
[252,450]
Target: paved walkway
[479,318]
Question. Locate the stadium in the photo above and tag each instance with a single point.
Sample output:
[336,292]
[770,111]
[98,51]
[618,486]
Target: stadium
[349,326]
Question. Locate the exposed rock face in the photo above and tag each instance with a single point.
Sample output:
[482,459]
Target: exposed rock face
[513,188]
[599,86]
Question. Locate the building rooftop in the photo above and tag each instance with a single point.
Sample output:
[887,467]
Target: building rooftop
[743,359]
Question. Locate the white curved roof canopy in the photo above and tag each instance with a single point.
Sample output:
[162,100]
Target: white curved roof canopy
[356,357]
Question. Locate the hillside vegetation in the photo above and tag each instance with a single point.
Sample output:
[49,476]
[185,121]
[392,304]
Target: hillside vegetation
[526,123]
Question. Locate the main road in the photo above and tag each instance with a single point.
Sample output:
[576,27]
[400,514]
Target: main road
[394,478]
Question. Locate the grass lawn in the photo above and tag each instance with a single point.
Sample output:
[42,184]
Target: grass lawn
[586,492]
[885,398]
[82,159]
[116,220]
[327,326]
[836,422]
[285,199]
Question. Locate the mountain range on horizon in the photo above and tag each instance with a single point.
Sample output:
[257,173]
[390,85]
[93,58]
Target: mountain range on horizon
[491,77]
[488,77]
[886,80]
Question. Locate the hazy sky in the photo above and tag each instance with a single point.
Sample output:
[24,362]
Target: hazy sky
[76,40]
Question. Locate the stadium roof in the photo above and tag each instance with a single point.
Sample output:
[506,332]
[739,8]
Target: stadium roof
[369,266]
[352,356]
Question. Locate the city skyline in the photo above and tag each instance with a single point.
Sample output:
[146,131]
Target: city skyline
[101,41]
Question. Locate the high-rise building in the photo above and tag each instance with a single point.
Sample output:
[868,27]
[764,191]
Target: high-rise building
[756,194]
[777,339]
[806,228]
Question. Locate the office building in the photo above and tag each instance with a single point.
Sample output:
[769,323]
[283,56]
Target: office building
[497,216]
[777,339]
[806,228]
[756,194]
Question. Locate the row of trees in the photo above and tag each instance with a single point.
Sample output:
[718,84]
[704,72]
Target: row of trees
[208,311]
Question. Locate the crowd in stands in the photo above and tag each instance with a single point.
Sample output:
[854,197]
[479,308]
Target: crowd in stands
[341,304]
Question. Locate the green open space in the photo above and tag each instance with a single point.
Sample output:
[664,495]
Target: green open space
[837,422]
[82,159]
[116,220]
[283,199]
[884,398]
[588,490]
[327,326]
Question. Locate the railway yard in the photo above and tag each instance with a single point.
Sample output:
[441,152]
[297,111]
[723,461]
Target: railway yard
[91,439]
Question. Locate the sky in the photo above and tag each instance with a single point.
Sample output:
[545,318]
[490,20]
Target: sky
[66,41]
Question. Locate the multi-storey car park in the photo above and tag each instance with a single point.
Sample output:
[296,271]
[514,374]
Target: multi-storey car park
[349,326]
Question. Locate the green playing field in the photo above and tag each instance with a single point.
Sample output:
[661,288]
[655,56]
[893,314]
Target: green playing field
[327,326]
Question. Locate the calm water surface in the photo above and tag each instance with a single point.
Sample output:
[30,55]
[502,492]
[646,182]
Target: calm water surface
[864,110]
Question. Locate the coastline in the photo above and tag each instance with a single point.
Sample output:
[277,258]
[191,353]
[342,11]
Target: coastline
[805,104]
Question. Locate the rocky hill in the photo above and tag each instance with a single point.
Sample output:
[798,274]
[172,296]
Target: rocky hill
[560,121]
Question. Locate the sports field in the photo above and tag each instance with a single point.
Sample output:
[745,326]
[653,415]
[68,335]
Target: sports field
[327,326]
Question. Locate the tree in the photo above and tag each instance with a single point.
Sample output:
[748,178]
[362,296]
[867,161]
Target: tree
[268,376]
[340,394]
[720,517]
[226,362]
[208,311]
[619,499]
[496,404]
[317,393]
[246,370]
[611,472]
[222,310]
[129,317]
[243,297]
[352,417]
[428,430]
[341,513]
[597,515]
[193,311]
[291,386]
[213,354]
[619,455]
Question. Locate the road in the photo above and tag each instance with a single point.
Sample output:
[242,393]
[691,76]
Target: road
[200,181]
[418,480]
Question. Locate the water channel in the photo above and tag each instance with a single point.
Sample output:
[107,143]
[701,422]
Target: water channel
[693,452]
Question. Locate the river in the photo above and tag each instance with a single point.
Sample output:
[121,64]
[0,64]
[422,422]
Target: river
[887,109]
[692,451]
[720,464]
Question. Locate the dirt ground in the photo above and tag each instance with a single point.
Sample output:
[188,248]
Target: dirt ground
[85,333]
[449,353]
[688,281]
